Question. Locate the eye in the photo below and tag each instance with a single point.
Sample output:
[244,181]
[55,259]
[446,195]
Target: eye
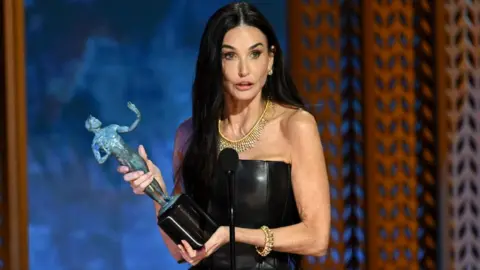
[228,55]
[256,54]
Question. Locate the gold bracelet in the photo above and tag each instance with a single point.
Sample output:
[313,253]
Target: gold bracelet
[268,242]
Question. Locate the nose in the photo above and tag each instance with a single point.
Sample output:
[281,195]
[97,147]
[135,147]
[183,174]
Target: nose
[243,69]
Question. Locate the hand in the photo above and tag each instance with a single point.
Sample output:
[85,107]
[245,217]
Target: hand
[139,180]
[193,257]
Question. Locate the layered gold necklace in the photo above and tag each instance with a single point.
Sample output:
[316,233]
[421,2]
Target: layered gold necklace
[249,140]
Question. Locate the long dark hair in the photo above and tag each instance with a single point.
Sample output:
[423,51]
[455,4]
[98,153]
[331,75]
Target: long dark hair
[208,97]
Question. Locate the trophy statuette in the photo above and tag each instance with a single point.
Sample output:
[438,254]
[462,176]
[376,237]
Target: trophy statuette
[179,217]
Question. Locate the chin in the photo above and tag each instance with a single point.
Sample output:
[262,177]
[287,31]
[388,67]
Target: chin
[245,95]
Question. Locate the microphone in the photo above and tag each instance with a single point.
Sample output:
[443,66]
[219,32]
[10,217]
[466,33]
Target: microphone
[228,161]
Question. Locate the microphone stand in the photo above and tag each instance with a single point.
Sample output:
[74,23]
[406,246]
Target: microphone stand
[231,202]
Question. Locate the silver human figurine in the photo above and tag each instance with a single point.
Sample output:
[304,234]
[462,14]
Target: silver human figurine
[108,139]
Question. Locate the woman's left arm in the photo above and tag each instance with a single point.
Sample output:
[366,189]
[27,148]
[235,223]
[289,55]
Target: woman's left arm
[311,190]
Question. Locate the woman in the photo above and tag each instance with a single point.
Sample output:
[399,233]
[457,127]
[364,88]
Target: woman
[243,98]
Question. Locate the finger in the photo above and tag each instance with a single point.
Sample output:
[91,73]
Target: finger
[132,176]
[184,254]
[123,169]
[189,249]
[150,165]
[142,152]
[201,254]
[143,186]
[191,260]
[143,181]
[138,191]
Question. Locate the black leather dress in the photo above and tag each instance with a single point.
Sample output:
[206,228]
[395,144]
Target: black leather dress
[264,196]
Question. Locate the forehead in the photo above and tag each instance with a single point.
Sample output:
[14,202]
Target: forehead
[242,37]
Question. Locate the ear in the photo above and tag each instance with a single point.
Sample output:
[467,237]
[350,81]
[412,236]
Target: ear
[271,57]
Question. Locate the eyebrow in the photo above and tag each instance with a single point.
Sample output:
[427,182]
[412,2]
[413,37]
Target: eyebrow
[251,47]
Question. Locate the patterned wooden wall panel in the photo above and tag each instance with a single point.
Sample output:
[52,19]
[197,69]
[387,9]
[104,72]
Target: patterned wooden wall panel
[463,123]
[3,175]
[390,121]
[426,61]
[315,64]
[13,190]
[325,51]
[392,124]
[443,177]
[352,131]
[3,158]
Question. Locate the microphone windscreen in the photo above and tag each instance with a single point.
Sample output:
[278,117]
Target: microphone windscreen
[228,159]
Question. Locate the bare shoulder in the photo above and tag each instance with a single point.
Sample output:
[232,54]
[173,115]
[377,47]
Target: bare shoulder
[301,119]
[297,123]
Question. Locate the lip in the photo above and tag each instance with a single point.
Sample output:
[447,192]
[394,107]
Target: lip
[244,86]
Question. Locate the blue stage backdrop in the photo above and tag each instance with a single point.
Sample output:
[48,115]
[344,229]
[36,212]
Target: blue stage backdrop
[91,57]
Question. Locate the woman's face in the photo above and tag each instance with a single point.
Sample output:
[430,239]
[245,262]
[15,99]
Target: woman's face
[246,62]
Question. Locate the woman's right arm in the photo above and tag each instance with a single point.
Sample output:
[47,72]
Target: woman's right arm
[178,150]
[139,181]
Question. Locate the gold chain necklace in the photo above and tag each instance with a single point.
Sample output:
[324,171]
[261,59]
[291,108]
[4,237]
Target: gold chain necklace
[249,140]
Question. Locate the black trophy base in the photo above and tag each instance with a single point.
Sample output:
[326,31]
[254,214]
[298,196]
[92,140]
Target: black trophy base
[182,219]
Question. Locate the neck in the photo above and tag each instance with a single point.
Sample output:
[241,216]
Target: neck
[241,116]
